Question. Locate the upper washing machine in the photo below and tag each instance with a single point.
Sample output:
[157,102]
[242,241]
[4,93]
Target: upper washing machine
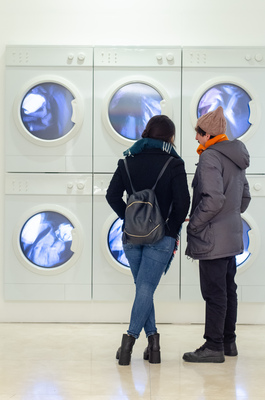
[250,275]
[47,237]
[112,278]
[234,79]
[48,109]
[131,85]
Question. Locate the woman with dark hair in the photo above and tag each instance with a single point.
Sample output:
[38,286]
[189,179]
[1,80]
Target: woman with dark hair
[148,262]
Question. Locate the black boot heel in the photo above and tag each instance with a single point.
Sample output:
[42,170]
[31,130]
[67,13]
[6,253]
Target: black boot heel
[154,357]
[152,351]
[124,352]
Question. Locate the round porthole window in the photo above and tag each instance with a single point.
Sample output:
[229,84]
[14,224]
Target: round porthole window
[239,100]
[112,244]
[242,258]
[46,111]
[251,241]
[129,104]
[131,107]
[115,243]
[235,102]
[46,239]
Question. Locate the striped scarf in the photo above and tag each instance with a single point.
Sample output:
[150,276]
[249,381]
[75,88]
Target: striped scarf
[148,143]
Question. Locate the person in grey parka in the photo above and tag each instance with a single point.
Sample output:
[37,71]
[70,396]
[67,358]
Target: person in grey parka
[215,231]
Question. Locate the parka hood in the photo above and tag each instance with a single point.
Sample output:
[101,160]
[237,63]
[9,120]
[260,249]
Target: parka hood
[235,150]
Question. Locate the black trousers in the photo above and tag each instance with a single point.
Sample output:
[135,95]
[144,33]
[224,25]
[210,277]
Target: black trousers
[218,289]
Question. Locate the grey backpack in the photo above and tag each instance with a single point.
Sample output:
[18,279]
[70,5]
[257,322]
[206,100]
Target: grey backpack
[143,222]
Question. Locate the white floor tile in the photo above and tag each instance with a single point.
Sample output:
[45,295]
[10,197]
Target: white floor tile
[77,362]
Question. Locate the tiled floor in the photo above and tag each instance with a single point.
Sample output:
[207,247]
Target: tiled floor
[77,362]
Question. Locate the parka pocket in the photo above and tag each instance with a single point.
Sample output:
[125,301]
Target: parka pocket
[200,241]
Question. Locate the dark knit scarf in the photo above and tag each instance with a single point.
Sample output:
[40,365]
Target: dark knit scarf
[148,143]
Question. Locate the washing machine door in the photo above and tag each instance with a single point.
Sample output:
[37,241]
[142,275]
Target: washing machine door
[251,240]
[48,240]
[130,104]
[111,244]
[48,111]
[240,104]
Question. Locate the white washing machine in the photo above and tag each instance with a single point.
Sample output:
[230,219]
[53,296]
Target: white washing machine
[230,77]
[112,279]
[132,84]
[48,109]
[48,237]
[250,276]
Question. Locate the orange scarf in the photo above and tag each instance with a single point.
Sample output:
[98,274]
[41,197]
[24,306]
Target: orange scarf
[210,142]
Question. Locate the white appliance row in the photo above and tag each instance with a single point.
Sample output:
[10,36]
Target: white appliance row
[63,242]
[77,108]
[70,112]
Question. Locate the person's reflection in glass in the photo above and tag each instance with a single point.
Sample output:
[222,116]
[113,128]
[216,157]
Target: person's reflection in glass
[46,111]
[131,108]
[115,243]
[47,245]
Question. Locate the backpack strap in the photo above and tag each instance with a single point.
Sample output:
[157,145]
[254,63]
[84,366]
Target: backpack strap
[162,171]
[159,176]
[127,170]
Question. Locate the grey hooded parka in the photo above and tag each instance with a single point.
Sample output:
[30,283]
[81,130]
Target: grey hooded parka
[220,195]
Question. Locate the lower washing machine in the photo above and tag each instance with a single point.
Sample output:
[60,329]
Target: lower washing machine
[47,237]
[250,276]
[231,77]
[112,279]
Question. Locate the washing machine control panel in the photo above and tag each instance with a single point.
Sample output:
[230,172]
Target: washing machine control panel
[223,57]
[256,57]
[52,184]
[49,56]
[137,57]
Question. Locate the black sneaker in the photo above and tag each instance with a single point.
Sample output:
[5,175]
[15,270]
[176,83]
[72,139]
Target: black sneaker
[230,349]
[204,355]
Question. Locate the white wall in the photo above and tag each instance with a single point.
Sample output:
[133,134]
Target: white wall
[122,22]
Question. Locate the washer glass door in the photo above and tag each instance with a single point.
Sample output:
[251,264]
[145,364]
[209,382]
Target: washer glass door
[242,258]
[115,243]
[131,107]
[46,111]
[46,239]
[235,102]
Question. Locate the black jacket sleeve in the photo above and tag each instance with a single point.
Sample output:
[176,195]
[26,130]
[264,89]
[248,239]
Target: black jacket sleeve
[180,201]
[115,193]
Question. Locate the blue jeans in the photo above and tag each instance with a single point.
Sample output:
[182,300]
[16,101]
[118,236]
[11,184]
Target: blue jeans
[147,263]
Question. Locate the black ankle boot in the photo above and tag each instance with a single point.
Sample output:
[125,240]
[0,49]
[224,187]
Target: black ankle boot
[152,351]
[124,352]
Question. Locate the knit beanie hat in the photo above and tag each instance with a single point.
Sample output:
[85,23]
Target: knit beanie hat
[214,122]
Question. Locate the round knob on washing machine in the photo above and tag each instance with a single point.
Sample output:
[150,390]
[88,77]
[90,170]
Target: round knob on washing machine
[258,57]
[159,57]
[248,57]
[257,186]
[170,57]
[80,185]
[70,56]
[81,56]
[70,185]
